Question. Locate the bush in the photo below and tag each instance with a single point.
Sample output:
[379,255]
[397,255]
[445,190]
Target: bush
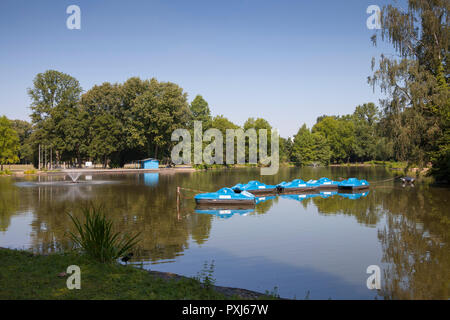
[6,172]
[97,238]
[205,277]
[29,171]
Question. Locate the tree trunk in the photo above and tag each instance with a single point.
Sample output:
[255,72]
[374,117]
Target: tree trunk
[156,151]
[79,159]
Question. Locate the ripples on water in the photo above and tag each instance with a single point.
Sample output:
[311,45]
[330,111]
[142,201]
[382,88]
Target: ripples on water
[321,244]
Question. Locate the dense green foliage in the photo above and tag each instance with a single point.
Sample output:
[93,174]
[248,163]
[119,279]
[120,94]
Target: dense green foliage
[200,111]
[416,108]
[116,123]
[24,130]
[110,123]
[336,139]
[309,148]
[9,142]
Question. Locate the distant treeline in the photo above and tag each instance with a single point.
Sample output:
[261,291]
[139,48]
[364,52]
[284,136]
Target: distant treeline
[117,123]
[114,124]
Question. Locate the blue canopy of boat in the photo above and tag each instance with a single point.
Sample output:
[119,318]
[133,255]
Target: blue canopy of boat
[297,183]
[252,185]
[353,182]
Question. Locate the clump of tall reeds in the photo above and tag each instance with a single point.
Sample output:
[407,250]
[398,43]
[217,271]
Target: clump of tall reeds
[96,238]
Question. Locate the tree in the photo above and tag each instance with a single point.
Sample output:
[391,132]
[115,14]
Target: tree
[365,119]
[55,96]
[309,148]
[222,123]
[129,91]
[416,80]
[24,130]
[321,149]
[105,139]
[9,143]
[51,89]
[339,132]
[200,111]
[259,124]
[285,149]
[302,149]
[157,113]
[104,125]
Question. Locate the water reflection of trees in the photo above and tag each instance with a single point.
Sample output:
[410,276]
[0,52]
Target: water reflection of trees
[264,206]
[414,239]
[134,208]
[367,210]
[416,245]
[9,202]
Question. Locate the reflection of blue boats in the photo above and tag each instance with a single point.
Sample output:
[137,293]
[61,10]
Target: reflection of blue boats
[224,213]
[262,199]
[303,196]
[225,196]
[297,185]
[300,197]
[327,184]
[353,184]
[354,196]
[255,187]
[327,194]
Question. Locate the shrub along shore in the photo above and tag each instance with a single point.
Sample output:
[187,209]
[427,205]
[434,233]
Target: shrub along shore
[25,275]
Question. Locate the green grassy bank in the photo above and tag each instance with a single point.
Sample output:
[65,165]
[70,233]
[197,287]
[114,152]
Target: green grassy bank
[24,275]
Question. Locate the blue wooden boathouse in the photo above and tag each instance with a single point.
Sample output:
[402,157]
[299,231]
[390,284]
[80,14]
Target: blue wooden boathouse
[149,163]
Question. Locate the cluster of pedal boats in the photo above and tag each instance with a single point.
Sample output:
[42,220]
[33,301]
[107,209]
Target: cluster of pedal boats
[226,211]
[248,194]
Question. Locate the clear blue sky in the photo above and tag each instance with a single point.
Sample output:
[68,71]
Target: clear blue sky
[286,61]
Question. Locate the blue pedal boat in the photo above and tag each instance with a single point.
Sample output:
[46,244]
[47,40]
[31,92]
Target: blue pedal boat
[327,184]
[313,183]
[225,197]
[353,184]
[295,186]
[255,188]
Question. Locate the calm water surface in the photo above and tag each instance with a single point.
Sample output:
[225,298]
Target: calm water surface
[318,247]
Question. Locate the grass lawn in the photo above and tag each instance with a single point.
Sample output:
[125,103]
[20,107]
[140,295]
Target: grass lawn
[24,275]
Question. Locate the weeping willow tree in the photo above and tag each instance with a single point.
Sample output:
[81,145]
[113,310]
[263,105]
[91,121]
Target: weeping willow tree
[415,81]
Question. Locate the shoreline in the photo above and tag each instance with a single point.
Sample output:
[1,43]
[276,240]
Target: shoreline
[100,171]
[393,166]
[226,291]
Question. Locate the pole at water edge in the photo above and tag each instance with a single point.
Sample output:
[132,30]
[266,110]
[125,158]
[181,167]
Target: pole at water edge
[178,203]
[39,165]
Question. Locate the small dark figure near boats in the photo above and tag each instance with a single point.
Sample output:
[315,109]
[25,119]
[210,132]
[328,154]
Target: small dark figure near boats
[409,180]
[127,257]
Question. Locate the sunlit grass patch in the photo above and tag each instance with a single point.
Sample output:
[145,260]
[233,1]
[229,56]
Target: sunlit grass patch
[27,276]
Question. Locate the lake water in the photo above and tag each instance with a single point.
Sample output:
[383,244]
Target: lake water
[317,247]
